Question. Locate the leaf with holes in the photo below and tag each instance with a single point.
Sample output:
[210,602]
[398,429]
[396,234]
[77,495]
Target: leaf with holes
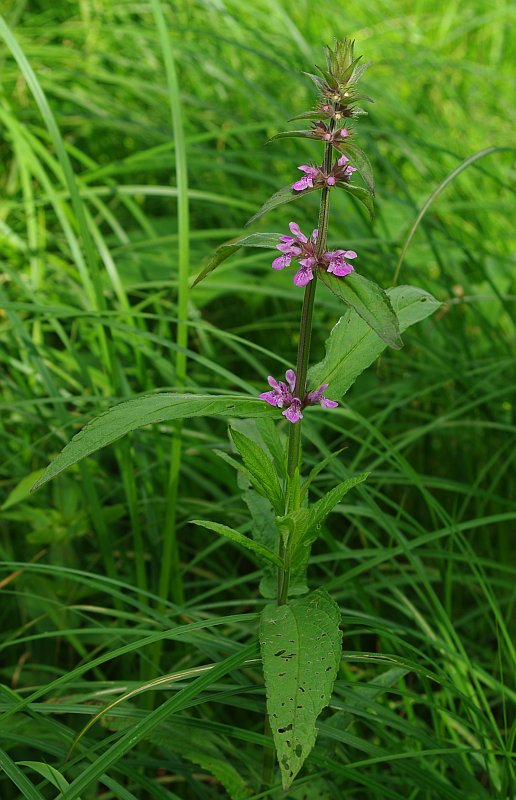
[267,240]
[301,647]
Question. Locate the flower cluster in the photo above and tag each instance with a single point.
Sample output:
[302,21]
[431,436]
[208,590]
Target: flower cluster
[315,176]
[299,248]
[282,394]
[339,110]
[323,132]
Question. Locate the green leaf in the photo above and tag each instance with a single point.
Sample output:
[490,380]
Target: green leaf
[293,526]
[271,438]
[316,79]
[20,780]
[320,510]
[358,70]
[315,115]
[51,774]
[363,196]
[207,751]
[314,472]
[285,195]
[301,650]
[265,533]
[268,240]
[328,77]
[352,345]
[359,160]
[292,135]
[263,474]
[148,410]
[239,538]
[295,529]
[369,301]
[22,490]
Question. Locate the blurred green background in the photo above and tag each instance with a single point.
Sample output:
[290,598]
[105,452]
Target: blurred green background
[420,560]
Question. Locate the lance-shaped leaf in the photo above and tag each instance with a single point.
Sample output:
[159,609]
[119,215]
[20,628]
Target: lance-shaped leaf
[239,538]
[285,195]
[294,530]
[268,240]
[318,114]
[352,345]
[358,160]
[369,301]
[261,470]
[301,649]
[293,135]
[265,533]
[320,510]
[363,196]
[319,82]
[147,410]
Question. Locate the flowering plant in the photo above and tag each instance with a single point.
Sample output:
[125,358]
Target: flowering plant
[300,636]
[373,316]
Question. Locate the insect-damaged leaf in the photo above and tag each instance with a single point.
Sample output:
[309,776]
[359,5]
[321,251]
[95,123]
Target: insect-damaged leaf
[268,240]
[301,650]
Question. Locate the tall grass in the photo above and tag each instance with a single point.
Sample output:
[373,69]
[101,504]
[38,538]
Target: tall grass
[92,236]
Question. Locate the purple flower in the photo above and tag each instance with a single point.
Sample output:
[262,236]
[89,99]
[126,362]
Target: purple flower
[299,236]
[280,394]
[300,248]
[344,170]
[281,262]
[318,397]
[293,412]
[337,263]
[304,274]
[283,395]
[307,181]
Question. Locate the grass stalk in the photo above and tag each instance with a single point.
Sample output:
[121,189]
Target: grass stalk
[170,580]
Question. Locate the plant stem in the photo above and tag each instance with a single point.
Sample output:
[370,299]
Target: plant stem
[303,355]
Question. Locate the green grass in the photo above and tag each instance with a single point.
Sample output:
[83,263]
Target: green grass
[94,237]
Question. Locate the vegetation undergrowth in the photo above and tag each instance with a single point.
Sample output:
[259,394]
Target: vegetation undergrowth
[109,687]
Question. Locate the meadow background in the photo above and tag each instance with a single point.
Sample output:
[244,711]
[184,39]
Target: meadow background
[420,558]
